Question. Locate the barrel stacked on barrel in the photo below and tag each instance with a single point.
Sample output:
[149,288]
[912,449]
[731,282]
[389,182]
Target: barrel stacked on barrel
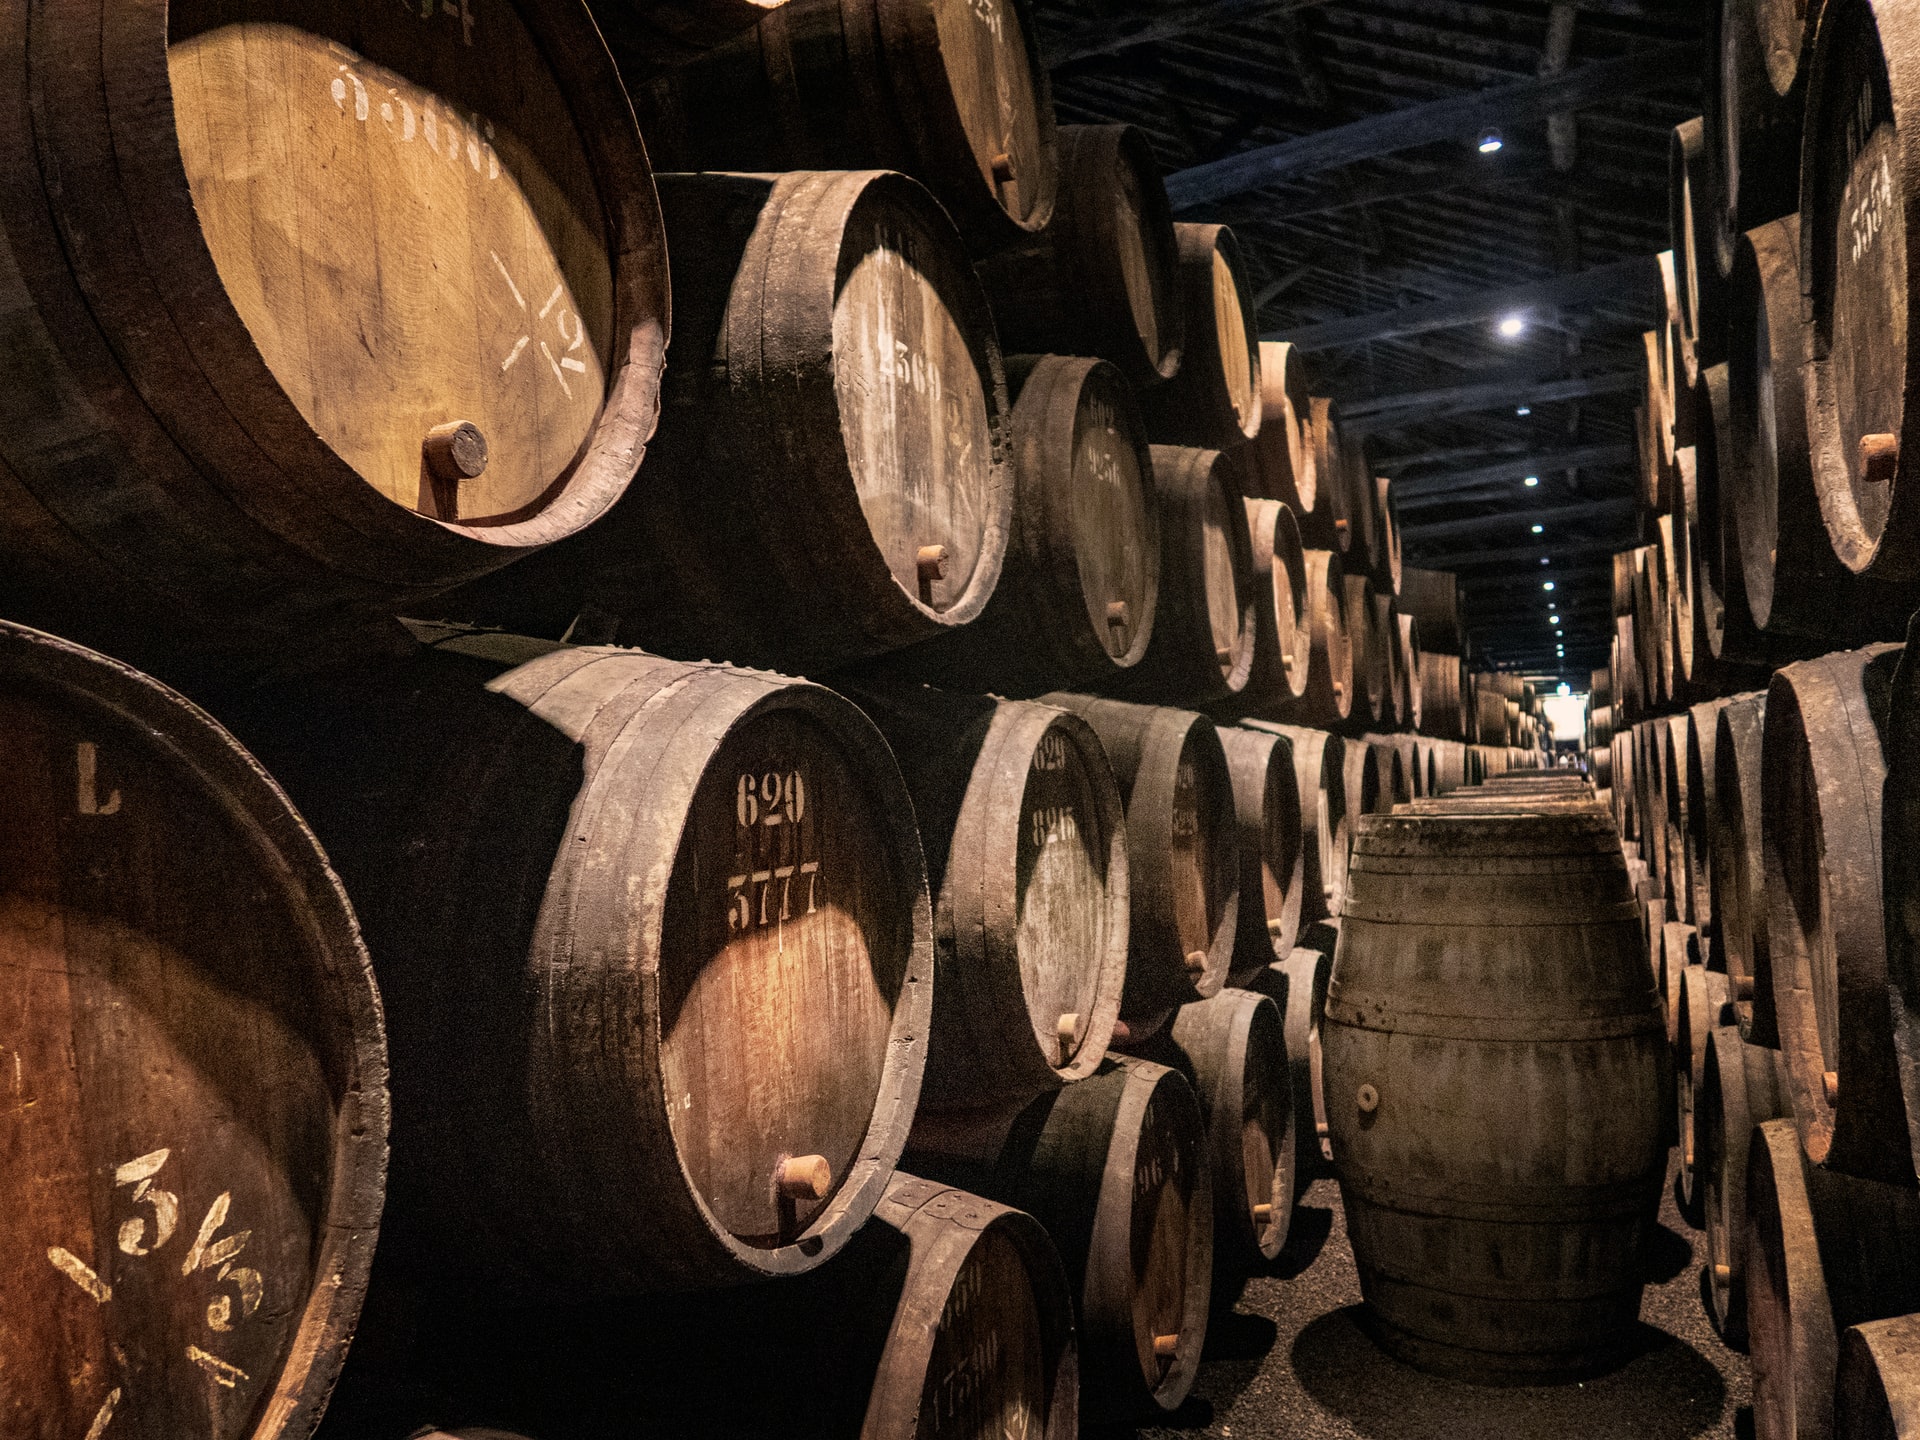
[942,1022]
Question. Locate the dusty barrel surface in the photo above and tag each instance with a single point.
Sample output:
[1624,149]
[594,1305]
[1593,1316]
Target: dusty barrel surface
[1691,221]
[1026,848]
[948,92]
[1755,100]
[194,1070]
[1102,277]
[711,1073]
[1319,761]
[1488,980]
[1215,399]
[1080,584]
[1183,858]
[1877,1391]
[1266,800]
[1739,1089]
[1116,1169]
[222,419]
[1823,772]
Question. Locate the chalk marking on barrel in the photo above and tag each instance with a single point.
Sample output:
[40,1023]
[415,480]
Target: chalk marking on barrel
[222,1372]
[166,1206]
[104,1414]
[81,1273]
[514,354]
[557,289]
[208,1252]
[565,388]
[518,299]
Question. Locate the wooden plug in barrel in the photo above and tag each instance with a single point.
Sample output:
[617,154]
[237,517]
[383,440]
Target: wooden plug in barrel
[1281,456]
[1740,904]
[1266,800]
[192,1070]
[1102,277]
[1822,774]
[1079,588]
[1026,851]
[1522,1260]
[225,418]
[1205,629]
[1183,857]
[1214,402]
[846,380]
[1298,985]
[1283,628]
[1116,1169]
[655,943]
[1739,1089]
[1825,1251]
[1702,1009]
[1877,1391]
[1319,770]
[950,93]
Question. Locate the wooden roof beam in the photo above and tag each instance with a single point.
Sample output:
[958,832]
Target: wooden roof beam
[1426,491]
[1567,556]
[1386,412]
[1169,22]
[1411,532]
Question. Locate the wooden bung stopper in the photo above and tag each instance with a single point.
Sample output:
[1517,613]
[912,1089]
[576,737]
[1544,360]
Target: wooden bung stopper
[1263,1212]
[455,451]
[1196,961]
[1368,1099]
[1830,1082]
[1119,614]
[1879,455]
[1723,1273]
[1166,1346]
[803,1177]
[1122,1034]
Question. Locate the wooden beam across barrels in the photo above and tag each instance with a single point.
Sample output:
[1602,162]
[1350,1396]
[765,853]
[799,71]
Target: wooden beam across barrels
[1740,1088]
[1079,589]
[655,944]
[194,1092]
[1026,845]
[864,510]
[1183,859]
[1103,276]
[1214,402]
[221,422]
[1116,1168]
[1267,802]
[948,92]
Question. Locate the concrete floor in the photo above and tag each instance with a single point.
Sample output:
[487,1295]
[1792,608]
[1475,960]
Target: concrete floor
[1288,1360]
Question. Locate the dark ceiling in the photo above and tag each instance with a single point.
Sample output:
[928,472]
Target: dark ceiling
[1390,219]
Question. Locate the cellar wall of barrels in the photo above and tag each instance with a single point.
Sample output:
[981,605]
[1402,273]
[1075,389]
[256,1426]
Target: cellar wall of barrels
[761,718]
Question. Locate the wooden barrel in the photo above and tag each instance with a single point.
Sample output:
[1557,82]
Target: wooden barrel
[1183,854]
[1521,1260]
[1702,731]
[1101,278]
[1025,839]
[1319,768]
[1369,674]
[1821,777]
[1116,1169]
[1080,584]
[1267,802]
[1298,986]
[1733,848]
[1877,1390]
[1670,738]
[950,93]
[1755,99]
[1215,400]
[1330,525]
[1281,455]
[1388,568]
[1205,626]
[1393,756]
[650,36]
[1283,622]
[1679,948]
[1328,700]
[1702,1010]
[1739,1089]
[1233,1050]
[495,806]
[1691,217]
[1900,822]
[1824,1251]
[207,452]
[193,1070]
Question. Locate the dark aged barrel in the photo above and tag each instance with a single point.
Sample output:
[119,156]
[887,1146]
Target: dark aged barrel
[1369,678]
[1330,524]
[1703,1008]
[192,1070]
[1755,102]
[1102,277]
[1328,700]
[1901,876]
[1183,858]
[655,943]
[1298,985]
[1233,1049]
[220,419]
[1739,1089]
[1026,850]
[649,36]
[1081,581]
[839,366]
[1205,628]
[1822,775]
[1215,400]
[1702,731]
[1116,1169]
[1824,1251]
[1283,627]
[1691,219]
[1319,761]
[947,91]
[1740,901]
[1877,1391]
[1281,455]
[1267,802]
[1518,1261]
[1432,598]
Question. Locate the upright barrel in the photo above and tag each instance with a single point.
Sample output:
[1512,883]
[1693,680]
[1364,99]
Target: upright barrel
[193,1070]
[1489,982]
[1214,401]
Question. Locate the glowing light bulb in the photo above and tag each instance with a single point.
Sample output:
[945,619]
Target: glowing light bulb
[1538,529]
[1531,481]
[1490,141]
[1511,326]
[1547,586]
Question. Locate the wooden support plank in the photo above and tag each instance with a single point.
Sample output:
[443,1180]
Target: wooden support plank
[1383,412]
[1508,519]
[1417,491]
[1565,556]
[1457,117]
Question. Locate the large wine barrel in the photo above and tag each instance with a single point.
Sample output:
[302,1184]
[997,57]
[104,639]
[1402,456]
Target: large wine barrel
[1366,642]
[1298,986]
[1739,1089]
[1432,598]
[1900,822]
[1702,731]
[1026,848]
[1739,902]
[1521,1259]
[1205,627]
[1692,216]
[948,92]
[1319,768]
[1183,854]
[1330,525]
[1267,802]
[231,408]
[1116,1169]
[1821,776]
[1328,701]
[1877,1390]
[1281,456]
[650,36]
[1102,277]
[1702,1009]
[1214,401]
[655,943]
[1283,622]
[1080,585]
[194,1071]
[1755,101]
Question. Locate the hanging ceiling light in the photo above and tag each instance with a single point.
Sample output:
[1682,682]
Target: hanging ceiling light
[1490,141]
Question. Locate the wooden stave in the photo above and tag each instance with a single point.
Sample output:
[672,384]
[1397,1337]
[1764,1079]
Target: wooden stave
[1691,214]
[1876,1390]
[1298,986]
[44,675]
[1197,407]
[1267,804]
[352,746]
[1703,1005]
[1281,457]
[1740,1089]
[1283,631]
[1319,760]
[1734,849]
[1703,729]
